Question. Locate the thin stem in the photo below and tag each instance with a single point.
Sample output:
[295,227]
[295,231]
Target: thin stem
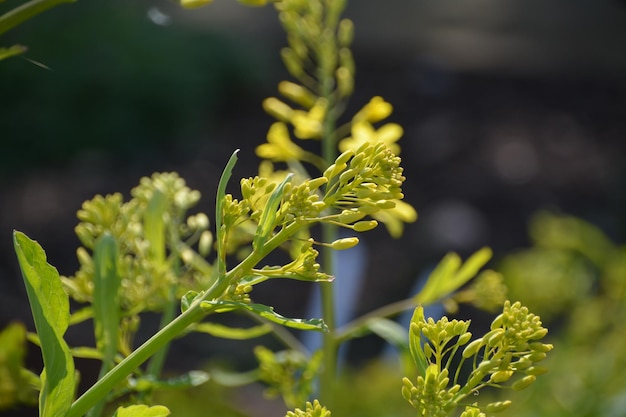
[26,11]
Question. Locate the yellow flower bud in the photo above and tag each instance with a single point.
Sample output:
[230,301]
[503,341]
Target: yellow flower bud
[501,376]
[345,32]
[523,383]
[345,243]
[364,226]
[345,81]
[498,406]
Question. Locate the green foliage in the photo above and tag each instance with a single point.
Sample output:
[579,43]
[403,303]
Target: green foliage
[581,272]
[148,254]
[50,308]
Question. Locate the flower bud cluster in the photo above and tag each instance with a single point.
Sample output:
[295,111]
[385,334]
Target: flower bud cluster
[311,410]
[146,281]
[430,394]
[510,348]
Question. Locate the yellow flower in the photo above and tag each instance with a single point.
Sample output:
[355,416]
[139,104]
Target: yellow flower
[279,147]
[308,125]
[363,132]
[376,110]
[193,4]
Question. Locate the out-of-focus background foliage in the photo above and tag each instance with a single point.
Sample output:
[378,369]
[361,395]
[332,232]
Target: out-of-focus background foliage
[510,107]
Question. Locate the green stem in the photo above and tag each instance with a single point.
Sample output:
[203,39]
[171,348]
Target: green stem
[105,385]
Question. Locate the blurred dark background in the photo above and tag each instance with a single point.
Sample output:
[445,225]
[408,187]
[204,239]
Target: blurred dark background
[509,106]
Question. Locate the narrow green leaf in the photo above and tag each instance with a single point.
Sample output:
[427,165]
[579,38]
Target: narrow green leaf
[235,333]
[50,308]
[451,274]
[142,411]
[106,299]
[81,315]
[26,11]
[415,343]
[390,331]
[268,313]
[266,223]
[11,51]
[154,227]
[219,201]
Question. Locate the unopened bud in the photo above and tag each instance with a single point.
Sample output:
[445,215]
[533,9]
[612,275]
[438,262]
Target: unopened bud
[345,243]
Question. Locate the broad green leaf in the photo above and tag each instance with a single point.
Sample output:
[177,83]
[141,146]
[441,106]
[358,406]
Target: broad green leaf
[50,308]
[415,343]
[142,411]
[266,223]
[219,201]
[106,298]
[235,333]
[187,380]
[451,274]
[154,227]
[266,312]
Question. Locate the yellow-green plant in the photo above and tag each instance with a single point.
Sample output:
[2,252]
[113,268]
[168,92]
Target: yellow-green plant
[148,254]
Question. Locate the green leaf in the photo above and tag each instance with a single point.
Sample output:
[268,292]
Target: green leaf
[390,331]
[154,227]
[219,201]
[266,312]
[142,411]
[415,343]
[50,308]
[451,274]
[268,218]
[11,51]
[26,11]
[235,333]
[106,298]
[234,379]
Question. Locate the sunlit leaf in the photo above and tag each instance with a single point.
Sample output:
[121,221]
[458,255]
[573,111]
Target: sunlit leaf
[50,308]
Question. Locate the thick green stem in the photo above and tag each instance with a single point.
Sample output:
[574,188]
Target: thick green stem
[105,385]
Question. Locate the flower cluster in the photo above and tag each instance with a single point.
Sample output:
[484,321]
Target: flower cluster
[147,227]
[310,410]
[511,347]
